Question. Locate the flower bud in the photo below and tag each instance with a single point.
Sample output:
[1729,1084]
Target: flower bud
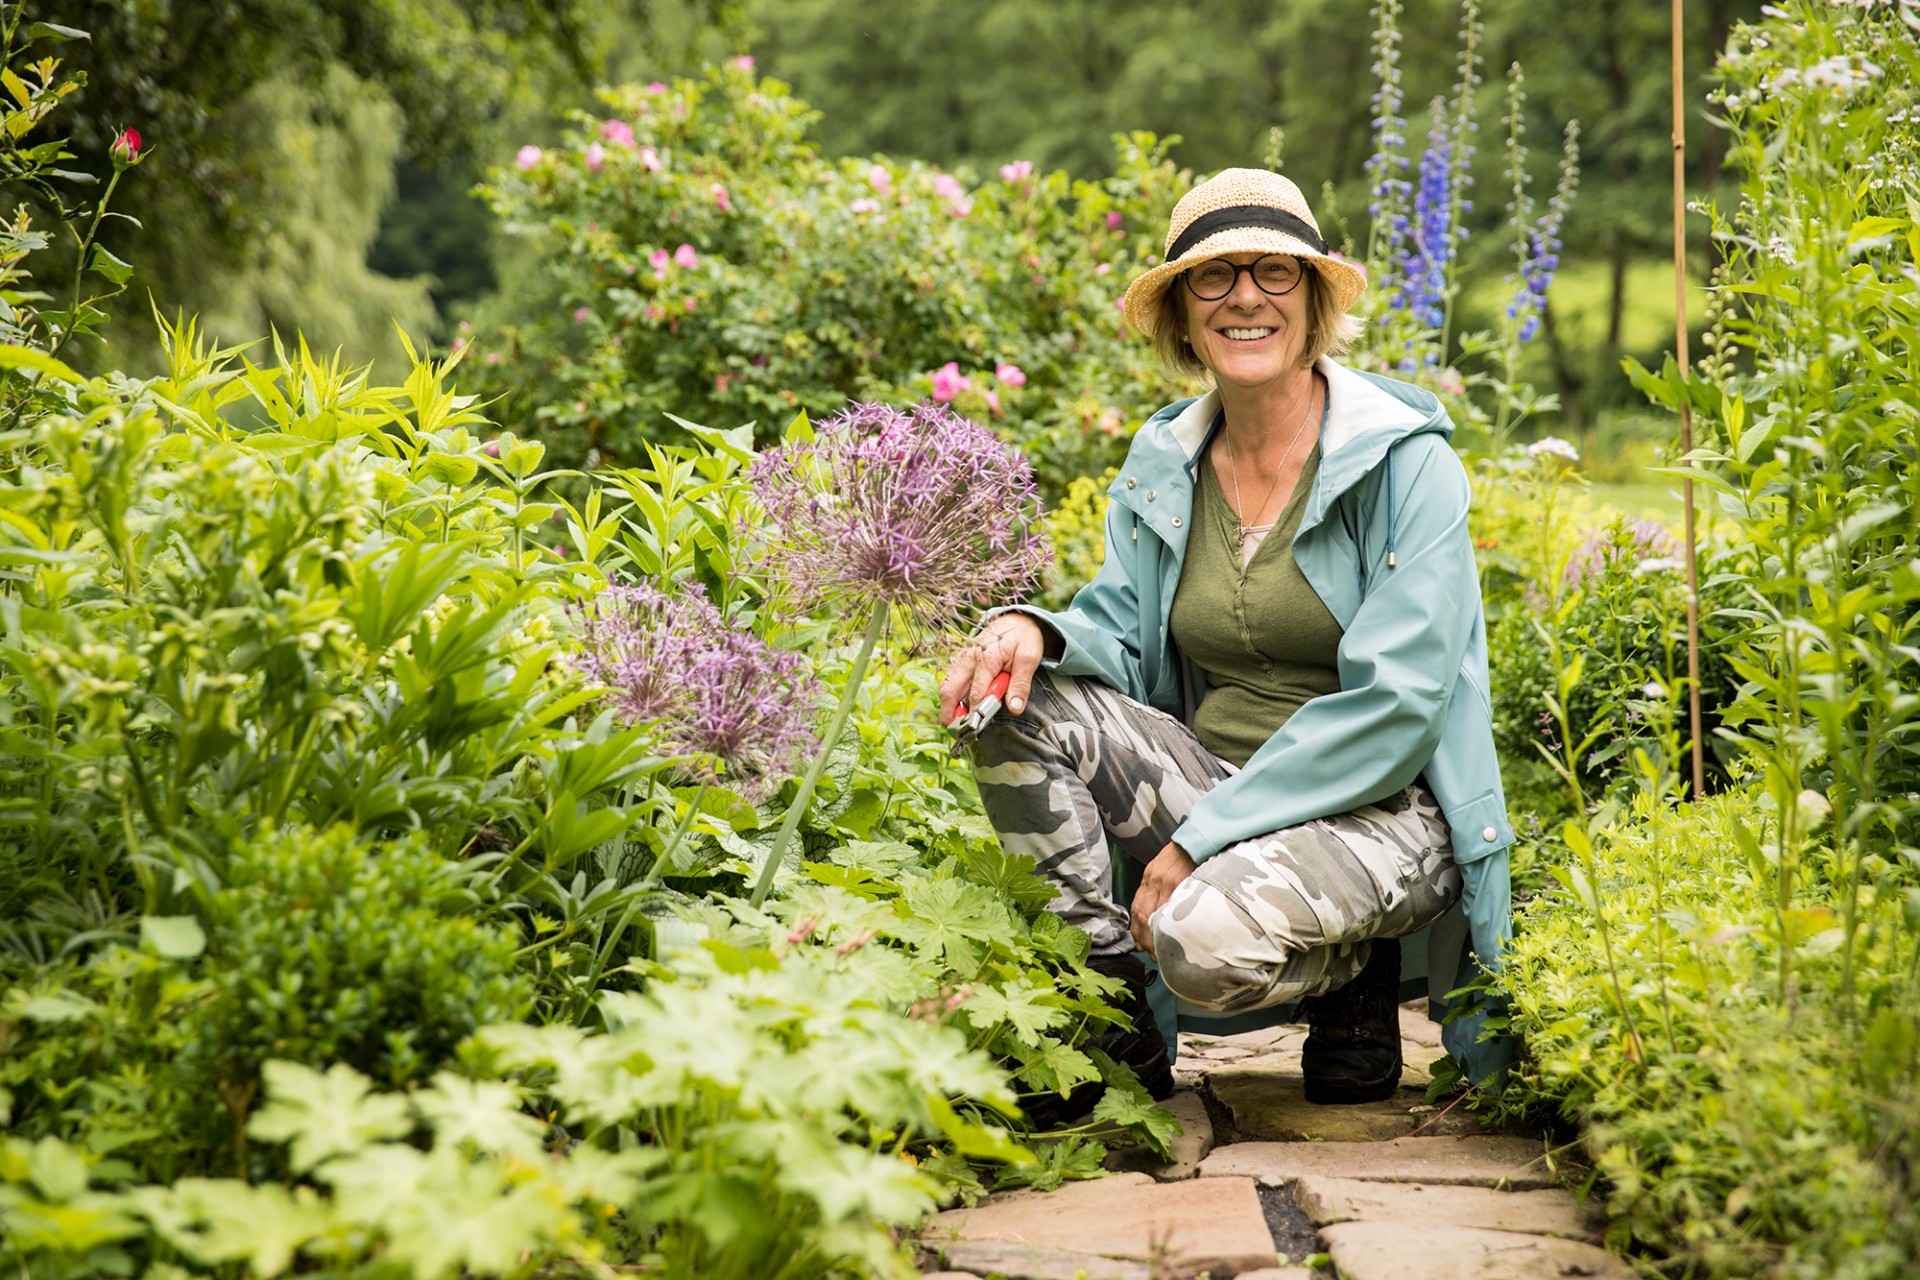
[126,148]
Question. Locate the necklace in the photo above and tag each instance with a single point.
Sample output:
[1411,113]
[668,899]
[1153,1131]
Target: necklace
[1239,507]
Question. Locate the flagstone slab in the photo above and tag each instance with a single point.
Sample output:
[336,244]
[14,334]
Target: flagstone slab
[1277,1273]
[1034,1262]
[1190,1146]
[1416,1026]
[1272,1105]
[1329,1201]
[1216,1224]
[1403,1251]
[1481,1160]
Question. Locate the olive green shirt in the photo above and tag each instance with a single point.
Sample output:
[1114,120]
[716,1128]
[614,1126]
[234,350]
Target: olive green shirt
[1260,634]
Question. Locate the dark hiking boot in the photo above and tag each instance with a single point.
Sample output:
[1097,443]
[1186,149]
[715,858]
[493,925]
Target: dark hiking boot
[1140,1047]
[1352,1052]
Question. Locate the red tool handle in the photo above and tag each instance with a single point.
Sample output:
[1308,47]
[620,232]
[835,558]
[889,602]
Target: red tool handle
[998,689]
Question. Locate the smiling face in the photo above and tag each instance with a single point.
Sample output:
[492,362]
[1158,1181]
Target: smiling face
[1249,339]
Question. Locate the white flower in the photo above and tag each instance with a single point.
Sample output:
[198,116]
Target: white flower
[1657,564]
[1553,446]
[1842,74]
[1779,249]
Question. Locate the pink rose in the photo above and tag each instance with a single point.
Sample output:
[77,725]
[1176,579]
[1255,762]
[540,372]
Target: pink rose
[650,160]
[493,357]
[1016,170]
[689,304]
[721,198]
[1114,220]
[879,179]
[686,257]
[1103,269]
[1009,375]
[582,314]
[658,260]
[948,187]
[527,157]
[948,381]
[1109,423]
[865,205]
[126,148]
[656,87]
[993,401]
[744,62]
[618,132]
[596,156]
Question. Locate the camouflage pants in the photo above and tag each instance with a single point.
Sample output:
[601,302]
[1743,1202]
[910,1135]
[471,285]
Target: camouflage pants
[1263,922]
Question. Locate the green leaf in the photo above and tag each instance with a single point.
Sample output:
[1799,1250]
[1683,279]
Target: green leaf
[54,31]
[12,357]
[1017,1003]
[1130,1106]
[324,1116]
[105,264]
[57,1170]
[174,937]
[484,1114]
[59,1006]
[221,1220]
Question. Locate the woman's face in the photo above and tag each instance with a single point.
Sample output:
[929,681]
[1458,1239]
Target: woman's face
[1250,338]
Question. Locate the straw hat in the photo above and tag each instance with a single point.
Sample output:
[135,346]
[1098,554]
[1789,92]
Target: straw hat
[1241,211]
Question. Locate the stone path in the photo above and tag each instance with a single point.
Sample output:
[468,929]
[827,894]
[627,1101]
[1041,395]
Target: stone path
[1263,1181]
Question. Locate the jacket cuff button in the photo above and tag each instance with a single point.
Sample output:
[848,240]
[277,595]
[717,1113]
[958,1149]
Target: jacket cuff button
[1489,835]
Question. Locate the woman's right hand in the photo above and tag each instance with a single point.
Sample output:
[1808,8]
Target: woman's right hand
[1011,642]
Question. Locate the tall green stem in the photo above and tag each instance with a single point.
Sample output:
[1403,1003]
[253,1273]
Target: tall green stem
[835,727]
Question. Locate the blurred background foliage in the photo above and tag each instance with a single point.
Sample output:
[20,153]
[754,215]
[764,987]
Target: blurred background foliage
[321,154]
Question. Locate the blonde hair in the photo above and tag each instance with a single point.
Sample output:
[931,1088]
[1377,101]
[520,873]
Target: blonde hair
[1331,331]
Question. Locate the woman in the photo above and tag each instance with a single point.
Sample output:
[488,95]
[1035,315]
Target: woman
[1274,693]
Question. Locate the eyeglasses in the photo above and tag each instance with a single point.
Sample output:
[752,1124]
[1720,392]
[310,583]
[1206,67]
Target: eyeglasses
[1273,274]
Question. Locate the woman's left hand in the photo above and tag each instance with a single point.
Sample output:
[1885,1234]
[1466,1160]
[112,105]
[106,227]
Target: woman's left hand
[1163,875]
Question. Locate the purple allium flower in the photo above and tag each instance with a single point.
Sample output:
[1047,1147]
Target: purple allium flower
[919,509]
[1622,544]
[716,692]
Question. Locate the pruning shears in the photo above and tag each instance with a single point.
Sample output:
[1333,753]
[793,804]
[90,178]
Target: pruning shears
[968,721]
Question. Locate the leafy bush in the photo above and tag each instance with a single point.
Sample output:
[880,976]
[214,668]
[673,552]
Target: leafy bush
[319,949]
[1741,1122]
[1621,627]
[752,1113]
[698,258]
[1725,995]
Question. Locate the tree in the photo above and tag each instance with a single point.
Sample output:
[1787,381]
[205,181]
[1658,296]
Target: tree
[277,126]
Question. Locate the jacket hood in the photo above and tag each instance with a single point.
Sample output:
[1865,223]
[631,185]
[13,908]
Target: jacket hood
[1366,415]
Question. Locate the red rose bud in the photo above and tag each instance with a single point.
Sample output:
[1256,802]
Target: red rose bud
[126,147]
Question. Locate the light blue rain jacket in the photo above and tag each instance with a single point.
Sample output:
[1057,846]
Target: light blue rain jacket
[1384,542]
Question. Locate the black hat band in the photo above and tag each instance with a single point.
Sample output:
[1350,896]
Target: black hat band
[1245,215]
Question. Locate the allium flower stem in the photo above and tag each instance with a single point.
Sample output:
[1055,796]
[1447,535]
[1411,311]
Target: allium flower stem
[828,740]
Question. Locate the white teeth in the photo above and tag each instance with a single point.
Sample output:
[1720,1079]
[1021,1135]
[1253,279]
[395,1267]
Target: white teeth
[1248,334]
